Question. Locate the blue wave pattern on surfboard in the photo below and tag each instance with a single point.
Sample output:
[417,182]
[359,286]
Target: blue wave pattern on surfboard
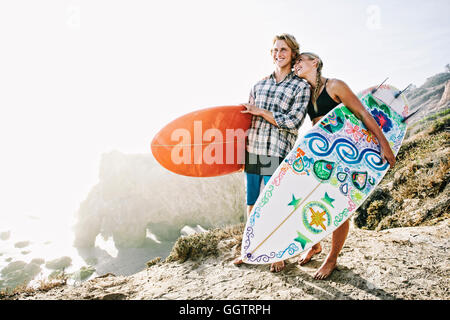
[346,151]
[338,152]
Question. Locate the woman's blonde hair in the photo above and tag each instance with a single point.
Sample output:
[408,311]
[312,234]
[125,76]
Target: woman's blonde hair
[313,56]
[292,43]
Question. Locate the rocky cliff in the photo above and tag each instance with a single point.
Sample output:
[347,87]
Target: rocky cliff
[432,100]
[135,196]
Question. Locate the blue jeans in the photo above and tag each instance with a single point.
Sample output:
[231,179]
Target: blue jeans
[254,186]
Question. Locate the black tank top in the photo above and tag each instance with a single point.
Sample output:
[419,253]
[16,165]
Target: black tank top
[324,104]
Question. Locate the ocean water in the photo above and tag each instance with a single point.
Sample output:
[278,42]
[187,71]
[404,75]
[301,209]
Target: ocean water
[29,243]
[134,212]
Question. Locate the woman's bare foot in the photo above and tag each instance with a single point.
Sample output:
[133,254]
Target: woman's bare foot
[325,269]
[306,257]
[277,266]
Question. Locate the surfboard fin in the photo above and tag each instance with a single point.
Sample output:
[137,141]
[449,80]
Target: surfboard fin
[400,92]
[375,90]
[410,115]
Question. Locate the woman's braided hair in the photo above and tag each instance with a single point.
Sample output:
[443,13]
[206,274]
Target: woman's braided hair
[313,56]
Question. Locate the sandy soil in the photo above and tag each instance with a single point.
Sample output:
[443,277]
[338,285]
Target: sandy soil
[403,263]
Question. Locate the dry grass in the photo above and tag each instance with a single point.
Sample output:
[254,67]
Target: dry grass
[440,122]
[201,245]
[433,181]
[153,262]
[44,286]
[421,175]
[375,213]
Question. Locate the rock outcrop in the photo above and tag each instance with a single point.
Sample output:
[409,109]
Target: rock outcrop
[136,195]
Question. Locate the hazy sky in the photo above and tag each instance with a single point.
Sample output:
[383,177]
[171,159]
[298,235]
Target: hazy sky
[79,78]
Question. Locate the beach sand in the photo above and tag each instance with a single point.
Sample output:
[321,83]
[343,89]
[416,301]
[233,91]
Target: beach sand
[402,263]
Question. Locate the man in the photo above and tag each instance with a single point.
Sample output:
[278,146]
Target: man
[278,104]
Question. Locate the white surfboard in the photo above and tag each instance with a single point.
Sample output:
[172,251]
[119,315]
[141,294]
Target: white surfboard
[329,173]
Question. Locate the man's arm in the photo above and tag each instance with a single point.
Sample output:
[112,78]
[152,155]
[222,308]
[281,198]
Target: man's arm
[287,121]
[254,110]
[294,118]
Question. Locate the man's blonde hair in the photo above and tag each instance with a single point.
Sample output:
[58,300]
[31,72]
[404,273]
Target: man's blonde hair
[291,42]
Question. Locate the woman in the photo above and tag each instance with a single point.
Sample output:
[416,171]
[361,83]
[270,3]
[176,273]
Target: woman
[326,94]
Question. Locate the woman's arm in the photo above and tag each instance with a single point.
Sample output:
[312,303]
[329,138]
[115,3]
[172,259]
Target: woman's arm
[351,101]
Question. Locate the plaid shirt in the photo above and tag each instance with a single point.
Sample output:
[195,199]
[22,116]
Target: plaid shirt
[288,101]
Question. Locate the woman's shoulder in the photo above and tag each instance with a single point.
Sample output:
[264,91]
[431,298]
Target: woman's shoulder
[337,86]
[335,83]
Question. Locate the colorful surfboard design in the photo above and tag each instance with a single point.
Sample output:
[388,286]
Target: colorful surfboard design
[329,173]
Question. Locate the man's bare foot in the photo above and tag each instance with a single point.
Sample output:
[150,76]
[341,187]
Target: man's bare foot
[306,257]
[238,261]
[325,269]
[277,266]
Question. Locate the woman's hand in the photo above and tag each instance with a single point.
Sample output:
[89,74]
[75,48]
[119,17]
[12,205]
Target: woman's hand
[387,155]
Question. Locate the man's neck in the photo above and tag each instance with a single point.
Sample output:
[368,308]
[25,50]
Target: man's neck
[280,74]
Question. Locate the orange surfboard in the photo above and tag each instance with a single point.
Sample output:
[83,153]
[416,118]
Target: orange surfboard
[204,143]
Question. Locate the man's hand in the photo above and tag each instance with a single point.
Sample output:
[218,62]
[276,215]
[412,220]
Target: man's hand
[252,109]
